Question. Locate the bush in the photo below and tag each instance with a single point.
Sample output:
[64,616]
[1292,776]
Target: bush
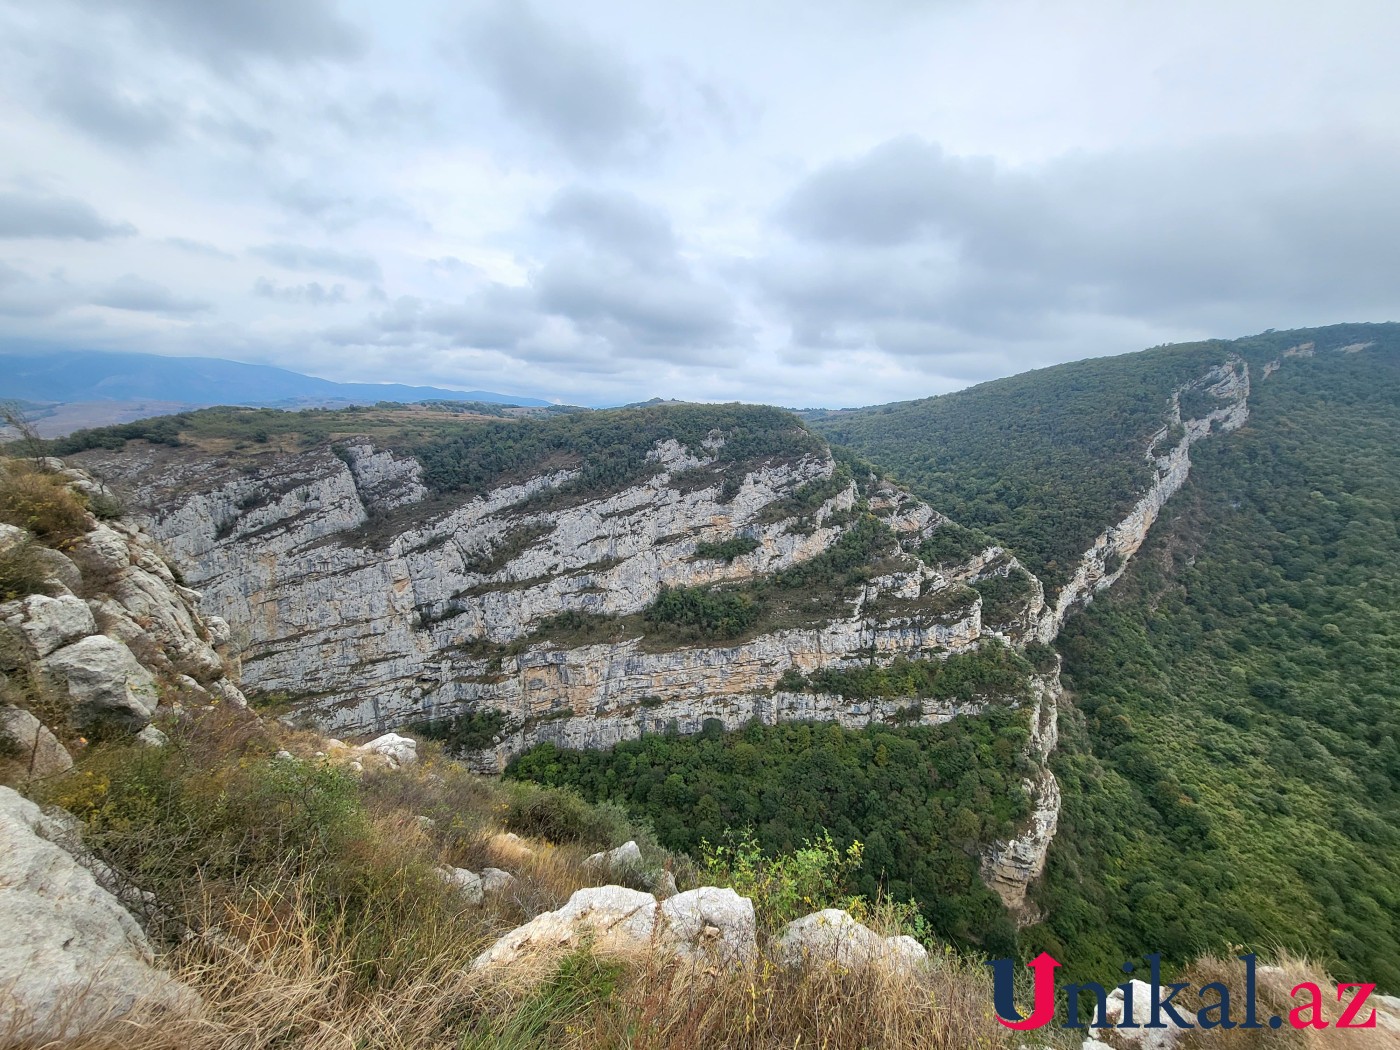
[559,815]
[21,572]
[727,550]
[41,503]
[789,885]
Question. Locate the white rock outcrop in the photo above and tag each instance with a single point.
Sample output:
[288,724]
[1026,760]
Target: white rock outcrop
[705,925]
[495,880]
[628,855]
[834,937]
[394,750]
[51,623]
[101,681]
[710,924]
[36,750]
[614,918]
[71,957]
[1139,1038]
[468,883]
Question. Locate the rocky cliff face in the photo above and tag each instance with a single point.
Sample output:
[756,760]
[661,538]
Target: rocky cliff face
[108,638]
[445,615]
[370,602]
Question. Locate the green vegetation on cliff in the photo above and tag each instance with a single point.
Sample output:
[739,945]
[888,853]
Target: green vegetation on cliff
[922,800]
[1232,772]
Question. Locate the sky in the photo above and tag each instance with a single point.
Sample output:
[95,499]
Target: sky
[807,203]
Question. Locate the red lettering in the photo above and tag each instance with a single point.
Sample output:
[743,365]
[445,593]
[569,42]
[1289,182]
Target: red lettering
[1315,1007]
[1357,1002]
[1043,966]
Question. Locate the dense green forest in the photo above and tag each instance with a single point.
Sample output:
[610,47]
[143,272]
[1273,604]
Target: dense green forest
[1230,767]
[1044,460]
[922,801]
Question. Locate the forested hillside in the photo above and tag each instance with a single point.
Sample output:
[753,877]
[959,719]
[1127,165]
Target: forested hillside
[1044,460]
[1231,774]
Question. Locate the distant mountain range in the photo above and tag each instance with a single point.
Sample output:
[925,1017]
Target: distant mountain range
[66,376]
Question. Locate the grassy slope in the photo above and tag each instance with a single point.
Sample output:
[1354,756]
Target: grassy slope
[1232,775]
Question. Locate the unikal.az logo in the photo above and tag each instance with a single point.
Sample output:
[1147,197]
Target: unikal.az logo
[1162,1010]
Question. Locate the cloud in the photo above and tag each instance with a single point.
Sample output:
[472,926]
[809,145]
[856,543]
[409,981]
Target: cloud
[61,218]
[304,258]
[312,294]
[566,85]
[23,296]
[186,244]
[918,252]
[230,31]
[137,294]
[613,222]
[101,106]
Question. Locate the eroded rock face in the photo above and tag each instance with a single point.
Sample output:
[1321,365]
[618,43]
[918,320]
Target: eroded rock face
[71,957]
[416,627]
[51,623]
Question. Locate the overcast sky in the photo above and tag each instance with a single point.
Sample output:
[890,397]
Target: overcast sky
[804,203]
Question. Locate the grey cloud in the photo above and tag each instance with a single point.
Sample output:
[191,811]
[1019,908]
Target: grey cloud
[640,313]
[311,294]
[194,247]
[95,103]
[228,31]
[66,218]
[920,253]
[305,258]
[138,294]
[587,100]
[23,296]
[615,222]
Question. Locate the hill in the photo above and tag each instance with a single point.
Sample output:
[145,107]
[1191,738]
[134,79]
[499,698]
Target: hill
[68,376]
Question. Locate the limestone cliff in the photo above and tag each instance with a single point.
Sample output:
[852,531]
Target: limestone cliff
[370,601]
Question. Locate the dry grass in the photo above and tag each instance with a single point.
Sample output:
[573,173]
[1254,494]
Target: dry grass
[41,503]
[281,979]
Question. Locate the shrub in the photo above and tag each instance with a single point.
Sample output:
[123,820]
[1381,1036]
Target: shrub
[789,885]
[21,572]
[41,503]
[559,815]
[727,550]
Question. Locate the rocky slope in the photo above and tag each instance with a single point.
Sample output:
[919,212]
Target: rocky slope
[108,638]
[369,601]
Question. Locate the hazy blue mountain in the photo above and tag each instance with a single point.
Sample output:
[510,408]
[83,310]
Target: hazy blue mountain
[93,375]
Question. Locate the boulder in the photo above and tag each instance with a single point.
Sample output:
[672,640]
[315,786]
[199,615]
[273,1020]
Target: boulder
[612,917]
[711,924]
[396,751]
[1139,1038]
[71,957]
[51,623]
[229,693]
[628,855]
[40,755]
[494,880]
[468,883]
[106,549]
[833,937]
[152,737]
[59,569]
[101,680]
